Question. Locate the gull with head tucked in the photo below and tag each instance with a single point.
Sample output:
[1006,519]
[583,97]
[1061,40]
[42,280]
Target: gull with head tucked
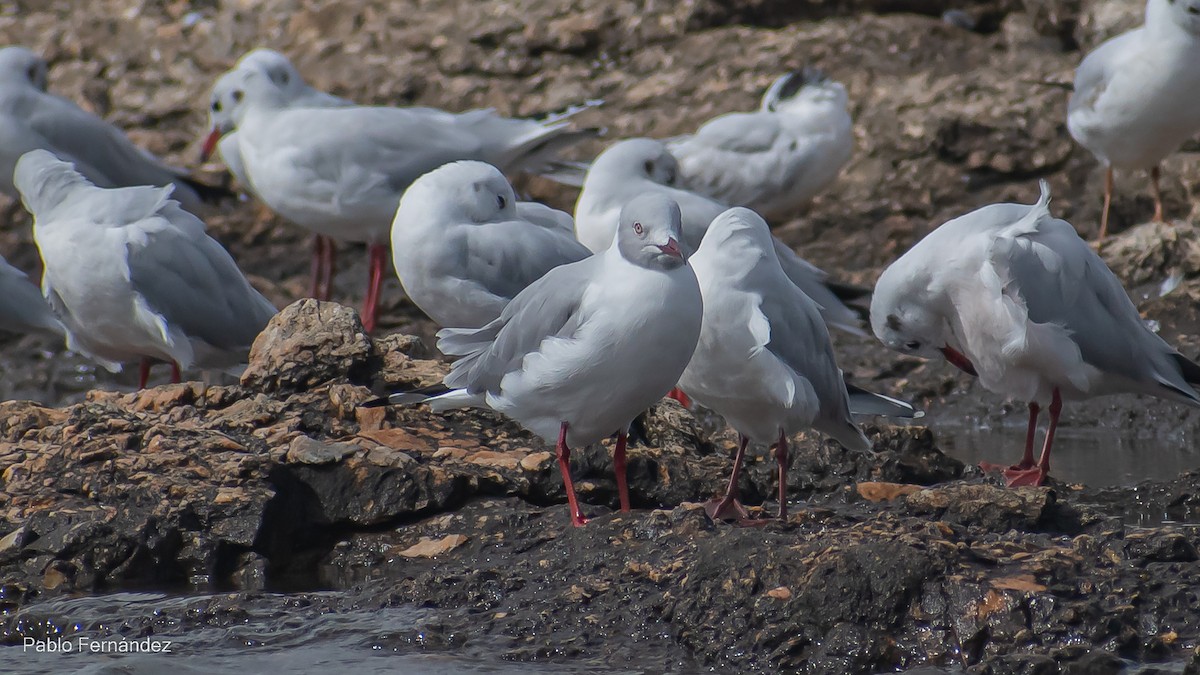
[777,158]
[134,276]
[764,360]
[1011,294]
[463,247]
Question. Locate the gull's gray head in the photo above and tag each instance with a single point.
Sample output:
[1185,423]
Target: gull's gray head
[904,315]
[466,191]
[800,87]
[641,157]
[20,65]
[44,181]
[650,230]
[1183,13]
[278,68]
[252,88]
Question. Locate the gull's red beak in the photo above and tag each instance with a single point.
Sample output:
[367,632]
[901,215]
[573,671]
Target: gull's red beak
[958,360]
[671,248]
[210,144]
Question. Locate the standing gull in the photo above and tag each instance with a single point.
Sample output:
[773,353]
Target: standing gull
[777,158]
[463,249]
[31,118]
[1013,295]
[1137,96]
[22,307]
[764,360]
[133,275]
[223,136]
[582,351]
[340,172]
[638,165]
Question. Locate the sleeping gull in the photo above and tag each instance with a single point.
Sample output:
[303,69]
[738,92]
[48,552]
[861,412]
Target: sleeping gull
[463,249]
[1013,295]
[634,166]
[1135,96]
[22,307]
[582,351]
[340,172]
[764,360]
[777,158]
[133,275]
[31,118]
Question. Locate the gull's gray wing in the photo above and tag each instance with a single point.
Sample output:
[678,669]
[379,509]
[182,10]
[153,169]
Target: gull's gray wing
[1046,268]
[811,280]
[22,307]
[798,337]
[506,257]
[549,307]
[189,279]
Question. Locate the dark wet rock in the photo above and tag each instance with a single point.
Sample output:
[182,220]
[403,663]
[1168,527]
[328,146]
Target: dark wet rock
[462,513]
[310,343]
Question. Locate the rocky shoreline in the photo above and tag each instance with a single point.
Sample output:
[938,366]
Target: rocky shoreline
[892,560]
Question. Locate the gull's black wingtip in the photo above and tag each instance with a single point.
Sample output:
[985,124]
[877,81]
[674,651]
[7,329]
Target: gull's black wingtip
[375,402]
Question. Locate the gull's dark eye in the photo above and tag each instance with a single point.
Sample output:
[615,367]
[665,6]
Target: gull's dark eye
[501,201]
[912,345]
[637,227]
[649,167]
[283,78]
[216,106]
[237,95]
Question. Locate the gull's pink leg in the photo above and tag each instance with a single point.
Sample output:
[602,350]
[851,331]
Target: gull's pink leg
[377,256]
[1037,474]
[143,373]
[728,507]
[176,377]
[619,467]
[1155,175]
[564,465]
[1108,190]
[781,458]
[1027,458]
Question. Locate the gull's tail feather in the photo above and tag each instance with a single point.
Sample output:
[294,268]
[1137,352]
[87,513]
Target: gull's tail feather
[552,116]
[408,396]
[1190,371]
[540,155]
[863,402]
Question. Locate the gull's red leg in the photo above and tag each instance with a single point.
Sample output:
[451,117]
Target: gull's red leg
[619,467]
[377,257]
[677,394]
[143,373]
[1155,175]
[728,506]
[1037,474]
[1027,458]
[564,465]
[176,377]
[781,458]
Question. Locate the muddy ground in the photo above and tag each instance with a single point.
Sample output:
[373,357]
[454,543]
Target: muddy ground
[947,119]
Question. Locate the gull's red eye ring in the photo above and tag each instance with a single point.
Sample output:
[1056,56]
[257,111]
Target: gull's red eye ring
[637,227]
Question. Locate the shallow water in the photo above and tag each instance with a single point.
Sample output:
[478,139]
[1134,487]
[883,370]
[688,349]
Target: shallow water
[1084,455]
[266,633]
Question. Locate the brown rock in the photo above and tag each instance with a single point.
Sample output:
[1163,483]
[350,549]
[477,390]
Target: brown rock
[307,344]
[305,450]
[885,492]
[429,548]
